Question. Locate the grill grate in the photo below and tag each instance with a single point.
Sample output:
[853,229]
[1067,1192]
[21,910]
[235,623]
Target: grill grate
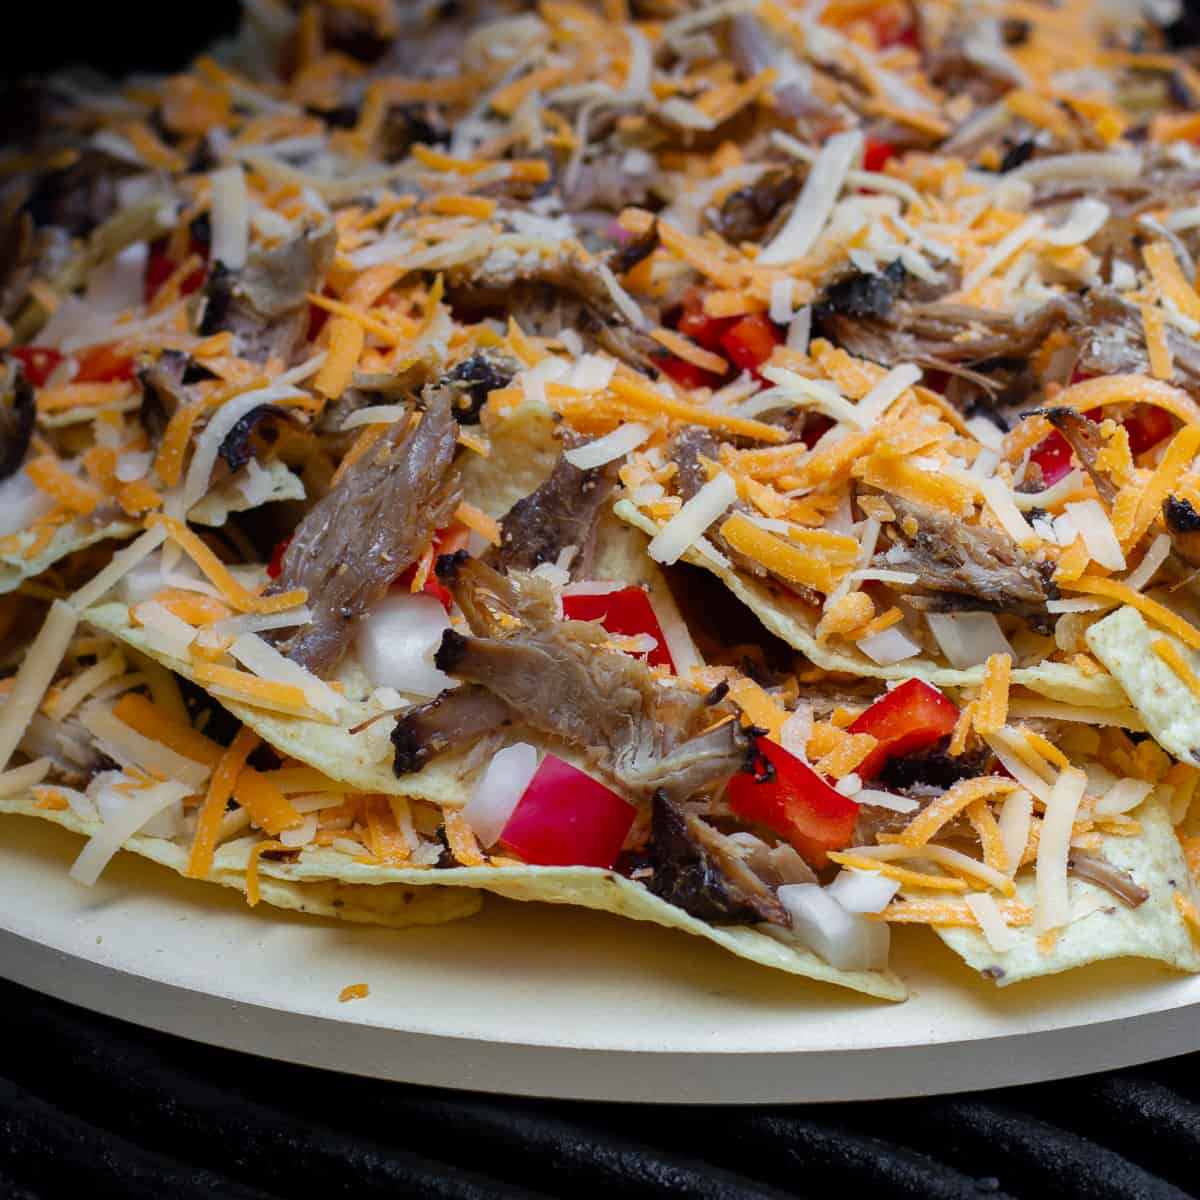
[89,1102]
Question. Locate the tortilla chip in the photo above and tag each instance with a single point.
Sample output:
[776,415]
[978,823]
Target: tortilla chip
[795,622]
[326,882]
[523,453]
[1154,930]
[299,887]
[77,535]
[215,508]
[1122,642]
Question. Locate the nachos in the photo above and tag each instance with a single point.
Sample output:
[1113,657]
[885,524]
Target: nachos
[731,465]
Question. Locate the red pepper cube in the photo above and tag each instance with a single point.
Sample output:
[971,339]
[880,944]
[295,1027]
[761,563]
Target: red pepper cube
[911,717]
[38,361]
[696,324]
[788,796]
[103,364]
[876,154]
[686,374]
[751,341]
[626,612]
[565,818]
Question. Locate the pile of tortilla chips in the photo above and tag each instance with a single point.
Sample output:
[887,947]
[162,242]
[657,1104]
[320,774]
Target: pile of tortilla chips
[780,421]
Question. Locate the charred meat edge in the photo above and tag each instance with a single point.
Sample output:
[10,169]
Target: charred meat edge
[458,717]
[18,412]
[689,864]
[370,527]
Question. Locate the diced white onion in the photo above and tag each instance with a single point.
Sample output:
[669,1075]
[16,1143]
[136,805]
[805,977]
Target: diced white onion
[230,212]
[499,790]
[606,449]
[862,891]
[21,503]
[848,941]
[889,646]
[796,730]
[1097,532]
[816,200]
[397,642]
[849,785]
[261,658]
[991,921]
[691,521]
[1053,908]
[968,639]
[888,800]
[141,807]
[1124,795]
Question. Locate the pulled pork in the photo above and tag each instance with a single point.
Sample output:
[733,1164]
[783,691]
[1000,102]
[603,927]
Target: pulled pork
[372,525]
[562,513]
[691,865]
[265,304]
[546,296]
[966,567]
[560,678]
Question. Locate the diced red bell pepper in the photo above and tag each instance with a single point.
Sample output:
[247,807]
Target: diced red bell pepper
[876,154]
[815,428]
[446,541]
[565,818]
[103,364]
[750,341]
[892,27]
[275,566]
[160,266]
[788,796]
[38,361]
[687,374]
[696,324]
[627,613]
[1146,426]
[911,717]
[1053,455]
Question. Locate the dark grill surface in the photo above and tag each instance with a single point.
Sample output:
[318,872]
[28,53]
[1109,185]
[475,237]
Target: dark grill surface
[94,1107]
